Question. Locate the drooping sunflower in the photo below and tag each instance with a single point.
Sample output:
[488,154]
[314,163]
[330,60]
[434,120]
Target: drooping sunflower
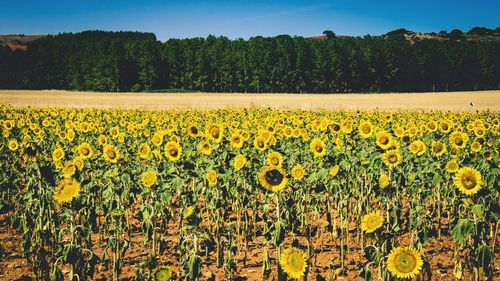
[205,147]
[274,159]
[334,170]
[69,169]
[173,151]
[110,153]
[371,222]
[294,262]
[85,150]
[468,180]
[384,139]
[404,262]
[239,162]
[273,178]
[452,166]
[298,172]
[317,147]
[66,190]
[57,154]
[162,273]
[212,177]
[392,158]
[383,180]
[149,178]
[438,148]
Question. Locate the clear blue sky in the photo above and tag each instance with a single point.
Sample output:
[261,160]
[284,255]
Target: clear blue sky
[237,18]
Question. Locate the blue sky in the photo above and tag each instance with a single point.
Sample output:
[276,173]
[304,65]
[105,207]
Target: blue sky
[236,18]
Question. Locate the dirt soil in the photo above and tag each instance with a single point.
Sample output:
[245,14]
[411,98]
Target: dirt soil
[457,101]
[325,264]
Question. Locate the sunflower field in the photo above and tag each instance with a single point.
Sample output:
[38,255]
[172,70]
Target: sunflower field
[293,194]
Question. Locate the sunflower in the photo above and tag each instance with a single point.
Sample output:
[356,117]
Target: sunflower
[57,154]
[236,140]
[294,262]
[239,162]
[69,169]
[468,180]
[212,177]
[452,166]
[417,147]
[298,172]
[438,148]
[365,129]
[273,178]
[317,147]
[334,170]
[66,190]
[30,152]
[149,178]
[475,147]
[13,145]
[102,140]
[383,180]
[85,150]
[371,222]
[144,151]
[173,151]
[459,139]
[110,153]
[215,132]
[384,139]
[260,143]
[78,162]
[162,273]
[404,262]
[392,158]
[274,159]
[193,131]
[205,147]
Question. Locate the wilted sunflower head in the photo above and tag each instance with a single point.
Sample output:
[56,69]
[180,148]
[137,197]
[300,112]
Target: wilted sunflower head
[162,273]
[273,178]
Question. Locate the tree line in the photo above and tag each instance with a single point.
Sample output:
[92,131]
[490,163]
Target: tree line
[133,61]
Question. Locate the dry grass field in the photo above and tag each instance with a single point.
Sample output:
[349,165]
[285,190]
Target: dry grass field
[457,101]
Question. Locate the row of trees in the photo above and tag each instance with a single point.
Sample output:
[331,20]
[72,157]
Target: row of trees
[125,61]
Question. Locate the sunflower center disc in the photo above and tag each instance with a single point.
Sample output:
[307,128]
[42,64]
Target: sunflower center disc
[405,263]
[274,177]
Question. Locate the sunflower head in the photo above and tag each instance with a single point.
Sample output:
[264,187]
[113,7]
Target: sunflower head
[260,143]
[365,129]
[392,158]
[334,170]
[205,147]
[85,150]
[273,178]
[452,166]
[111,153]
[13,145]
[372,221]
[384,139]
[149,178]
[66,190]
[57,154]
[383,180]
[239,162]
[212,177]
[438,148]
[317,147]
[274,159]
[294,262]
[298,172]
[404,262]
[173,151]
[468,180]
[162,273]
[144,151]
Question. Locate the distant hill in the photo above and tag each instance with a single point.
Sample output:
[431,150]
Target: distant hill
[475,34]
[18,41]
